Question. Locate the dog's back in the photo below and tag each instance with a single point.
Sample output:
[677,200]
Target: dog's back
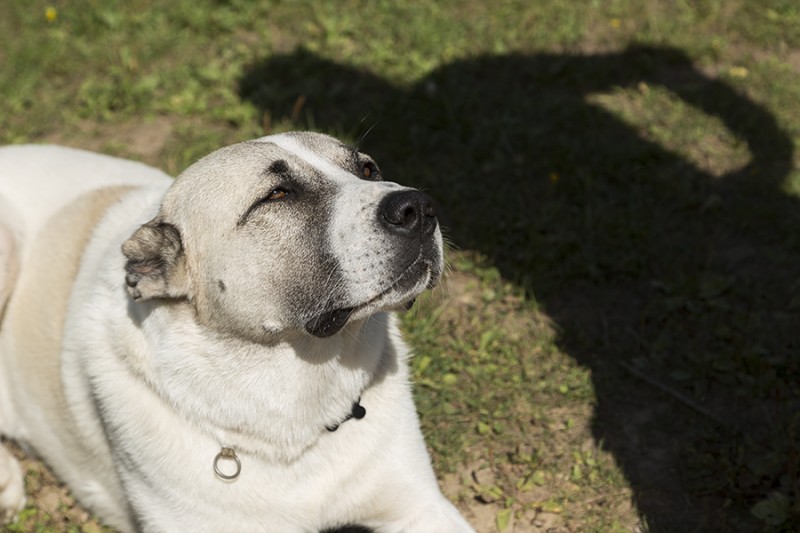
[37,181]
[51,198]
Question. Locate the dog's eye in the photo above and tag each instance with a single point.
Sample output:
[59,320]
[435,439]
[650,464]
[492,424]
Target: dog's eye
[370,171]
[277,194]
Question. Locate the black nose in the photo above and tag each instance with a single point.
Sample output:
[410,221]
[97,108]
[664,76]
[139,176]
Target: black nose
[408,213]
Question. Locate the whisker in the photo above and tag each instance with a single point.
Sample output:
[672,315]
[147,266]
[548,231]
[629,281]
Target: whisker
[363,136]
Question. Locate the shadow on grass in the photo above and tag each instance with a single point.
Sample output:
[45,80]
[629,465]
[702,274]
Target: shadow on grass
[678,288]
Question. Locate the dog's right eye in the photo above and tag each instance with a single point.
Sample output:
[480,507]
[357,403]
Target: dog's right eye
[277,194]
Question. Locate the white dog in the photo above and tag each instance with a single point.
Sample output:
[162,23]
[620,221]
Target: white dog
[215,353]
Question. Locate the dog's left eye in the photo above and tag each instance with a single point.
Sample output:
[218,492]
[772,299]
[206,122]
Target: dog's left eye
[369,171]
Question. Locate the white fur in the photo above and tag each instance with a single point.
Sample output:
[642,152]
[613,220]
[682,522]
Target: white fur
[152,394]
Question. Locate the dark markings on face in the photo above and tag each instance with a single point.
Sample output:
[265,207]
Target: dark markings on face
[279,167]
[221,285]
[285,185]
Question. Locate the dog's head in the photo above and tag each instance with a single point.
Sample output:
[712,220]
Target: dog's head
[288,232]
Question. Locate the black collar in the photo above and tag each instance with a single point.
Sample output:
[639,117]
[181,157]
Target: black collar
[358,412]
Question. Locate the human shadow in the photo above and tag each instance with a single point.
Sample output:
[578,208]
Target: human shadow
[677,287]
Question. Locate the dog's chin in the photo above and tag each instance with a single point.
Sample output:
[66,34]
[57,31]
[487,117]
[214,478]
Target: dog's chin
[400,295]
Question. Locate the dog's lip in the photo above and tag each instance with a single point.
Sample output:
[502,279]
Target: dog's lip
[428,269]
[330,322]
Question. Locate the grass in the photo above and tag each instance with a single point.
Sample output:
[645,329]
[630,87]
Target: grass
[616,349]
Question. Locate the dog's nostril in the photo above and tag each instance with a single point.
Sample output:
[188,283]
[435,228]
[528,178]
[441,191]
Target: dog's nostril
[408,212]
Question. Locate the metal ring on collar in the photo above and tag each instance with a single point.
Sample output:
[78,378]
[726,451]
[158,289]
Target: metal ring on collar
[229,454]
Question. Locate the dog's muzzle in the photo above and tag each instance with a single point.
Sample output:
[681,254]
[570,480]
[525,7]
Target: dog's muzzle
[409,217]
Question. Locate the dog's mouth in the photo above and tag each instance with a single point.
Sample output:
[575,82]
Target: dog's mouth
[329,323]
[420,275]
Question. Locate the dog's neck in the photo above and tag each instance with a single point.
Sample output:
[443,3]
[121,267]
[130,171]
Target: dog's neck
[273,401]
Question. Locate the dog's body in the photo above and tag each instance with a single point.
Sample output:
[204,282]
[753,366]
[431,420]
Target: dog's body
[159,335]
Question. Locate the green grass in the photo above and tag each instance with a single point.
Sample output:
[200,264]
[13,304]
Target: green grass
[617,347]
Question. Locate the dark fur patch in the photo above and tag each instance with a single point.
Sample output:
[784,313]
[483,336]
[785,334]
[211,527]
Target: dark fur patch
[279,167]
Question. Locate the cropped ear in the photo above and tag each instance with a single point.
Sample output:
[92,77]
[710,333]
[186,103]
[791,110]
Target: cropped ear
[156,266]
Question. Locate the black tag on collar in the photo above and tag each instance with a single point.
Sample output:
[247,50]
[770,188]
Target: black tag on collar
[358,412]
